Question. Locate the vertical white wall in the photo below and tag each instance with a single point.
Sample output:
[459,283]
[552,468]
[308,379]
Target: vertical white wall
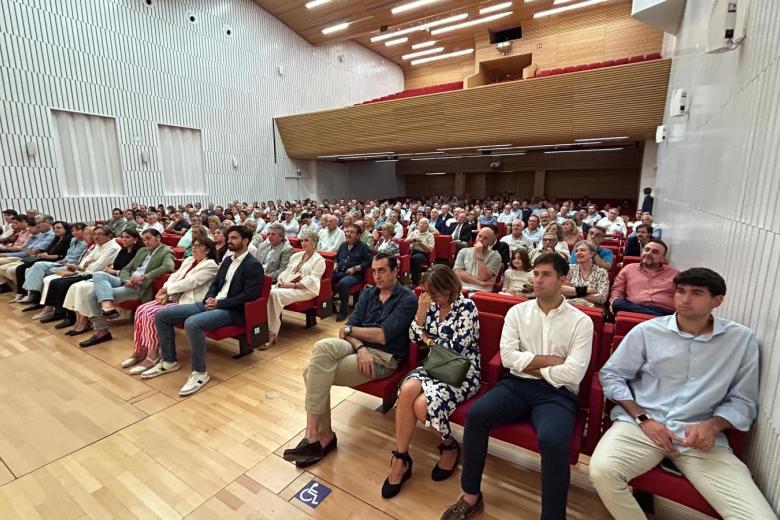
[374,180]
[718,192]
[649,169]
[150,65]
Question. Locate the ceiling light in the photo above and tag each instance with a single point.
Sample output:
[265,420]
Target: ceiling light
[316,3]
[335,28]
[565,8]
[388,160]
[494,8]
[437,173]
[435,158]
[411,5]
[426,52]
[423,44]
[588,150]
[472,22]
[397,41]
[455,54]
[586,140]
[422,27]
[505,154]
[480,147]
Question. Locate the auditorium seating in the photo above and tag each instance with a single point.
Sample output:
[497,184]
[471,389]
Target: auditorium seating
[387,388]
[422,91]
[598,65]
[132,305]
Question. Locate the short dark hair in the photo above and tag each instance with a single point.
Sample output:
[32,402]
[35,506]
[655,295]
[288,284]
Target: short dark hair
[151,231]
[659,241]
[11,212]
[643,226]
[357,228]
[107,230]
[392,261]
[77,225]
[702,277]
[648,191]
[117,209]
[560,265]
[241,230]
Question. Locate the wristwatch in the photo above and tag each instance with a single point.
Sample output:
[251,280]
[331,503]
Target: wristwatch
[347,330]
[642,417]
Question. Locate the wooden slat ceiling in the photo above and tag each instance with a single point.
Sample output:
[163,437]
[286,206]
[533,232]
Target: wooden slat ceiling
[367,17]
[555,109]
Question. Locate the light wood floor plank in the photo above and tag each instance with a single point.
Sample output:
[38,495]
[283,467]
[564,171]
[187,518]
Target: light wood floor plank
[246,499]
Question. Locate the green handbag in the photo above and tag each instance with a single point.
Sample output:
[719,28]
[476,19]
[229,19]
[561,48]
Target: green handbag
[445,365]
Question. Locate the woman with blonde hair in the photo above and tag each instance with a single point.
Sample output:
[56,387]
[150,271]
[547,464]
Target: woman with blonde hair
[448,320]
[387,242]
[300,281]
[571,235]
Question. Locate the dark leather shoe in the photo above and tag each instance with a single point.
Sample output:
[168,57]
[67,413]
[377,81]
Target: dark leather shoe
[95,340]
[110,315]
[33,307]
[314,460]
[75,332]
[52,318]
[462,510]
[390,490]
[305,450]
[341,317]
[438,474]
[64,324]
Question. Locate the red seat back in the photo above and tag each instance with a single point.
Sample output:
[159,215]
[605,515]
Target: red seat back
[495,303]
[490,327]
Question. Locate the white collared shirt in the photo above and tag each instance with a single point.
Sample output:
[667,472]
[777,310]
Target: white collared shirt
[565,331]
[234,263]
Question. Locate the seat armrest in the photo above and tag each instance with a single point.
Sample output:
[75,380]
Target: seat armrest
[595,414]
[492,372]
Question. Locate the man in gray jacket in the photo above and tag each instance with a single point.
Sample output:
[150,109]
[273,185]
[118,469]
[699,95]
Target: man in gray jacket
[274,252]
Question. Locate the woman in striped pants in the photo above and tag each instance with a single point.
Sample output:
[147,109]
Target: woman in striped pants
[188,284]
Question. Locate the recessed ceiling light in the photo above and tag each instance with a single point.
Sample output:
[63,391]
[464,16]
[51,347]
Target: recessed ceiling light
[462,52]
[423,44]
[412,5]
[470,23]
[316,3]
[421,27]
[585,140]
[565,8]
[437,173]
[494,8]
[435,158]
[480,147]
[397,41]
[335,28]
[587,150]
[426,52]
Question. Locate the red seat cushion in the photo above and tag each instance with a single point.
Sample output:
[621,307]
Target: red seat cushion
[230,331]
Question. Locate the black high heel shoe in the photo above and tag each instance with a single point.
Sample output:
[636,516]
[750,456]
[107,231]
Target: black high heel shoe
[438,474]
[390,490]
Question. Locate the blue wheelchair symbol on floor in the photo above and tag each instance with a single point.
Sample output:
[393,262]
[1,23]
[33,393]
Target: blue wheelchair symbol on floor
[313,494]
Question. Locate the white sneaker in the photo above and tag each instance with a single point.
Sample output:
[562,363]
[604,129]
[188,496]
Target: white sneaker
[195,382]
[161,368]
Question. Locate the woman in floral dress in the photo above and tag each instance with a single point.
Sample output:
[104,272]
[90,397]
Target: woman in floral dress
[445,319]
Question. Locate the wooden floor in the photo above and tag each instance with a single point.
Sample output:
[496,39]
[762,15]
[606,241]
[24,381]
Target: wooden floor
[80,438]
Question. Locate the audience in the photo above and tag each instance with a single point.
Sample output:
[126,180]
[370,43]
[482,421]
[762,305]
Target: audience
[53,254]
[586,284]
[444,320]
[661,412]
[387,242]
[290,225]
[370,346]
[571,233]
[550,244]
[519,277]
[478,266]
[188,285]
[612,224]
[546,345]
[352,260]
[135,281]
[637,240]
[647,286]
[275,251]
[604,256]
[238,281]
[300,281]
[422,242]
[55,286]
[461,231]
[533,233]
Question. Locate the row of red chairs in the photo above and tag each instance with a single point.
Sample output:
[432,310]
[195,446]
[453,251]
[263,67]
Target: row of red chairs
[421,91]
[599,65]
[592,419]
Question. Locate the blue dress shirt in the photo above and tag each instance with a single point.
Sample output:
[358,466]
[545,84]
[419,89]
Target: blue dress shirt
[679,379]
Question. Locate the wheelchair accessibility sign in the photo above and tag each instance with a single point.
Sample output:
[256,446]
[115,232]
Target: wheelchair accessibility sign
[313,494]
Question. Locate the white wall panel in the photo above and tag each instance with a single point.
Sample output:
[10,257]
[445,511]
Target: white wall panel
[718,193]
[146,66]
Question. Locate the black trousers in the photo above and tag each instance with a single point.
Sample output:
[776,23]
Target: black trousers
[58,288]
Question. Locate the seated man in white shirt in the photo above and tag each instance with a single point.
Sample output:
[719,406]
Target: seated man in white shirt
[546,345]
[613,224]
[152,221]
[679,382]
[477,266]
[516,239]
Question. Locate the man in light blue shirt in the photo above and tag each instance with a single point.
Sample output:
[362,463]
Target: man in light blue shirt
[41,237]
[679,382]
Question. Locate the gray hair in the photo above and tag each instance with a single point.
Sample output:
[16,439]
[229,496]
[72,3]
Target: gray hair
[591,247]
[278,227]
[311,236]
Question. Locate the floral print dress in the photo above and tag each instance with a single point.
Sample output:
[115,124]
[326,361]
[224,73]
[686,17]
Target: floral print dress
[459,332]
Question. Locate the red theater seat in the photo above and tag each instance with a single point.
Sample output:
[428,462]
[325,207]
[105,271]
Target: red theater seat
[132,305]
[319,305]
[387,388]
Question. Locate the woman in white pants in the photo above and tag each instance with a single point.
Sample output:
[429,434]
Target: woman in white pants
[300,281]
